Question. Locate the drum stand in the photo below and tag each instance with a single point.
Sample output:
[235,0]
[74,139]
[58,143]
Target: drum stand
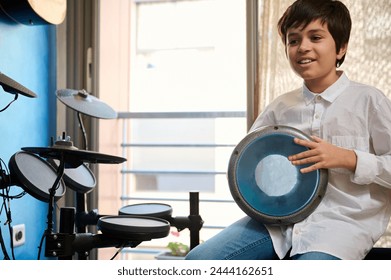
[66,243]
[80,197]
[52,192]
[193,222]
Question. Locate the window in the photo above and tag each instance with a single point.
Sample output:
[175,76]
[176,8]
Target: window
[185,60]
[188,102]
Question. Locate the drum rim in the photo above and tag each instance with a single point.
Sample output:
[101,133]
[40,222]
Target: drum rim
[27,185]
[73,184]
[287,219]
[161,214]
[139,233]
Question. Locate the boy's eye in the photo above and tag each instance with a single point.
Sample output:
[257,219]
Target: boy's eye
[292,42]
[316,38]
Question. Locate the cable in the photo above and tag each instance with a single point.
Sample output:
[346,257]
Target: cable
[40,244]
[20,195]
[6,207]
[8,223]
[5,253]
[6,204]
[3,207]
[9,104]
[45,233]
[5,183]
[2,244]
[118,251]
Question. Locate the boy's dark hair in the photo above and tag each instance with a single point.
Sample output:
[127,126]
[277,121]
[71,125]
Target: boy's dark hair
[334,13]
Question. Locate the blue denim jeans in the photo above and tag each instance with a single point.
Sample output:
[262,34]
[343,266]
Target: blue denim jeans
[246,239]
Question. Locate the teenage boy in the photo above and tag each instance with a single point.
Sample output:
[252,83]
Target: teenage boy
[350,124]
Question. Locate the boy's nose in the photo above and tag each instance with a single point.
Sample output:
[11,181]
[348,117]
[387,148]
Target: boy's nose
[305,46]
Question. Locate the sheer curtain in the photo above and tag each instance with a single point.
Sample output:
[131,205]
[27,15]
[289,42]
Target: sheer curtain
[367,60]
[275,75]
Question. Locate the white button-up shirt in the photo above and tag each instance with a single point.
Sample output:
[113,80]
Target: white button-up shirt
[356,208]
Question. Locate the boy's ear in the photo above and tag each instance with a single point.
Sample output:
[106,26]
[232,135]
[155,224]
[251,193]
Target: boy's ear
[342,51]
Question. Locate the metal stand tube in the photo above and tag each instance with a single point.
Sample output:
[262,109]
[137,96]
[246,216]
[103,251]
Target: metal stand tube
[67,224]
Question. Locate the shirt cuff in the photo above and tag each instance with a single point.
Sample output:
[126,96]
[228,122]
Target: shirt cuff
[366,168]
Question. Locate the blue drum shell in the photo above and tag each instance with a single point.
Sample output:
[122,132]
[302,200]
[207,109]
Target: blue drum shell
[303,196]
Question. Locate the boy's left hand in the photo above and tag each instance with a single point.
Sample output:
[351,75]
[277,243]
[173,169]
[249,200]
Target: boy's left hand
[323,155]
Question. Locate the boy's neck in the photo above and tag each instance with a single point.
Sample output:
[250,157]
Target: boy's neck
[317,87]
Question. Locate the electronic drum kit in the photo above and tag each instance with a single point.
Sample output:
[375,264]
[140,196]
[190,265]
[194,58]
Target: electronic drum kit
[46,172]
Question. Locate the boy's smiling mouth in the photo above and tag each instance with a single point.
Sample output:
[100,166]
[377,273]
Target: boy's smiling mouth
[305,61]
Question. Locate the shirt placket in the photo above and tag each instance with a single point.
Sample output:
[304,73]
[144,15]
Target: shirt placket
[317,116]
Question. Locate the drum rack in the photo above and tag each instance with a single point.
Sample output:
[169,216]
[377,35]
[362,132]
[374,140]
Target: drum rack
[72,236]
[67,242]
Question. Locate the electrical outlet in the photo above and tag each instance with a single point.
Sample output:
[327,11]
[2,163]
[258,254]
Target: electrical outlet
[18,235]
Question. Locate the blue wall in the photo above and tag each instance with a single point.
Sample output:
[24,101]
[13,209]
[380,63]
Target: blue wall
[27,55]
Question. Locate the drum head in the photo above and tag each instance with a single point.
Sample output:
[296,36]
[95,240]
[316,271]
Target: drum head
[80,179]
[133,228]
[264,183]
[34,175]
[157,210]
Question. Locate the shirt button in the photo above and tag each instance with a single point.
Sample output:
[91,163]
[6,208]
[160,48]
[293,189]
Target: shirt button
[316,116]
[297,231]
[318,98]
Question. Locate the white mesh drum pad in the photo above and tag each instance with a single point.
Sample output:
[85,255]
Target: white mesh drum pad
[35,176]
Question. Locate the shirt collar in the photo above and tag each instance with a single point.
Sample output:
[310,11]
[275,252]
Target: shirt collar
[331,93]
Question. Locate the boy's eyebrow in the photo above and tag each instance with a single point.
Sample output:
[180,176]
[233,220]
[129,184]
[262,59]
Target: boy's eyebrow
[309,31]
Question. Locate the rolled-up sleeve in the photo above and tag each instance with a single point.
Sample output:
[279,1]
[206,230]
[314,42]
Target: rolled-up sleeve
[375,166]
[370,169]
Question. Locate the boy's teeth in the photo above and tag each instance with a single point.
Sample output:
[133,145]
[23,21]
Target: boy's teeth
[305,61]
